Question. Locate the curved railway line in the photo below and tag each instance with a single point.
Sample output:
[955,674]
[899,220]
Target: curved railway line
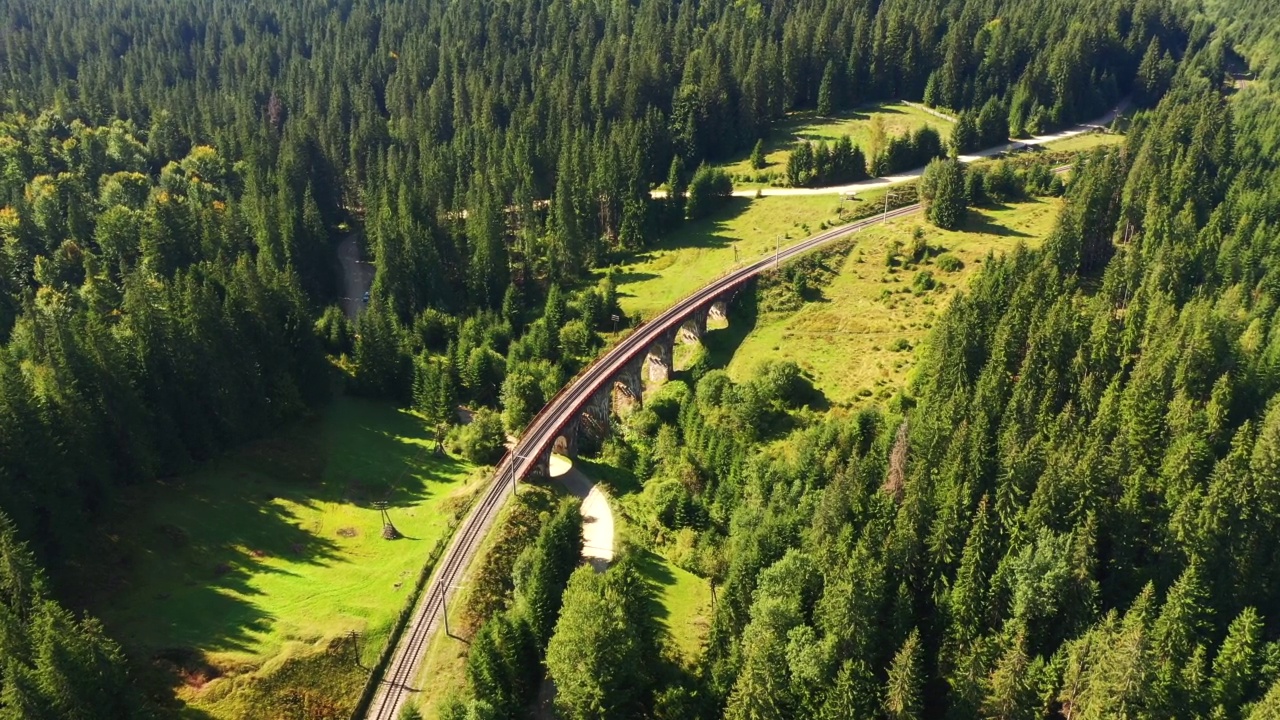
[537,440]
[539,436]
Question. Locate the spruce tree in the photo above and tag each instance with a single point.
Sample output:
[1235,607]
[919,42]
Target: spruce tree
[942,189]
[904,689]
[827,91]
[757,156]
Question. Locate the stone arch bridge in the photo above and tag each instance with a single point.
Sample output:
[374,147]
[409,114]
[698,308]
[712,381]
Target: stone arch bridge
[620,383]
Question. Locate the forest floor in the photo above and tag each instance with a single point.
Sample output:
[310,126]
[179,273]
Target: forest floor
[249,573]
[855,337]
[899,119]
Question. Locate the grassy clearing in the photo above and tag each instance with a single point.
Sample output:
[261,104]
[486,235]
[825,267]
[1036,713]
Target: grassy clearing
[245,576]
[684,611]
[899,119]
[1087,141]
[744,230]
[856,339]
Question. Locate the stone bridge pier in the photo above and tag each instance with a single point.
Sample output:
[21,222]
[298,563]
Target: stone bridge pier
[595,418]
[692,330]
[628,388]
[719,310]
[660,356]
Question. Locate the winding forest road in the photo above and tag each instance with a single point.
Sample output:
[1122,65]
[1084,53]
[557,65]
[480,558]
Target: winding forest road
[890,180]
[394,686]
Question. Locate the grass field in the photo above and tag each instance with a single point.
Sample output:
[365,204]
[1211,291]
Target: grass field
[1087,141]
[744,230]
[240,574]
[899,119]
[684,601]
[855,341]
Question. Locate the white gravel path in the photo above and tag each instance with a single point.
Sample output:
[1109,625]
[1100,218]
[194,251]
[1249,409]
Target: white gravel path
[597,516]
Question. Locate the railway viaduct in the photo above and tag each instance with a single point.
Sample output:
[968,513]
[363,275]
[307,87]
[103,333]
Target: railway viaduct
[583,406]
[611,394]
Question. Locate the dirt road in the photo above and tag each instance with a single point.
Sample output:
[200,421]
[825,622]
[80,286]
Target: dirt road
[597,516]
[357,273]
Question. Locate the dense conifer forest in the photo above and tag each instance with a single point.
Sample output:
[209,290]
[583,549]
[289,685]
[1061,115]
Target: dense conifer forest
[1068,514]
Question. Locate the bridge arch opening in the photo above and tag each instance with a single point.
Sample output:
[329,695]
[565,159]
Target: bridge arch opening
[558,465]
[718,315]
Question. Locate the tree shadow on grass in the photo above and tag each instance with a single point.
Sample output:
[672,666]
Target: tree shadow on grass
[979,222]
[632,276]
[706,232]
[711,232]
[659,576]
[617,482]
[176,571]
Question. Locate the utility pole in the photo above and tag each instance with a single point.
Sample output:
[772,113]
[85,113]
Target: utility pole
[777,251]
[389,531]
[515,460]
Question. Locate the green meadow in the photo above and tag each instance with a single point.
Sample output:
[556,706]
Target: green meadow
[246,578]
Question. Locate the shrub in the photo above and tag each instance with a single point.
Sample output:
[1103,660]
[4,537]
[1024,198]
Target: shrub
[481,441]
[947,262]
[709,188]
[923,282]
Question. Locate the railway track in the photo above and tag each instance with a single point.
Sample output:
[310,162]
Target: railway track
[405,663]
[406,660]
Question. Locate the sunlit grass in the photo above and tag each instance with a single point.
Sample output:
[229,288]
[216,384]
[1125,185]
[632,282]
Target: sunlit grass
[275,553]
[745,230]
[861,338]
[899,119]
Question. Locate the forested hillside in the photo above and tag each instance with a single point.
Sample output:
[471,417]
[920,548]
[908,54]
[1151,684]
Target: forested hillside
[1068,513]
[173,175]
[411,110]
[167,162]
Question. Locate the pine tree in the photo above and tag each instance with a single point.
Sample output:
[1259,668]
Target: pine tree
[854,694]
[544,568]
[903,695]
[942,188]
[827,91]
[964,136]
[757,156]
[1235,669]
